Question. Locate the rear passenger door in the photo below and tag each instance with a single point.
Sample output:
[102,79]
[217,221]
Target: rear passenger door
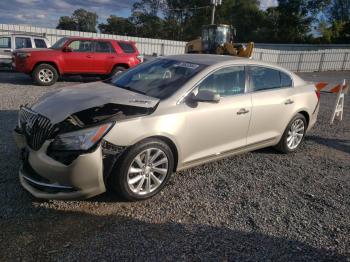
[104,57]
[272,103]
[80,60]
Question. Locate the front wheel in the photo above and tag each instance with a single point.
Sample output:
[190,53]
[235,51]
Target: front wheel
[143,170]
[45,75]
[293,135]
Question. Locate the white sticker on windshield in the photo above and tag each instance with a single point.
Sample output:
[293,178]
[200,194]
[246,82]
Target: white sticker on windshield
[186,65]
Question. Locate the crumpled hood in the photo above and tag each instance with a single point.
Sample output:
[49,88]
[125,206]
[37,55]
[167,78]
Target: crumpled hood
[60,104]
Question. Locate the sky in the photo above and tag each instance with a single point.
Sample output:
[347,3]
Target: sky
[45,13]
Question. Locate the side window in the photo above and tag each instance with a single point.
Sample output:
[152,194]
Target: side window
[286,81]
[23,42]
[40,43]
[5,42]
[81,46]
[104,47]
[266,78]
[126,47]
[225,82]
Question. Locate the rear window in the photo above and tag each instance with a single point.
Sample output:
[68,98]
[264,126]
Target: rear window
[40,43]
[126,47]
[23,42]
[5,42]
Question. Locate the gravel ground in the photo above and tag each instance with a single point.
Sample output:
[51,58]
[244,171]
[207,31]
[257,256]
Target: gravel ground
[257,206]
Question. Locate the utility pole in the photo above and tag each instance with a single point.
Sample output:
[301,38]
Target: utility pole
[214,3]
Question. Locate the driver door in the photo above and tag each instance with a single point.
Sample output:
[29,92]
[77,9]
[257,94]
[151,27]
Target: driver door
[216,128]
[80,60]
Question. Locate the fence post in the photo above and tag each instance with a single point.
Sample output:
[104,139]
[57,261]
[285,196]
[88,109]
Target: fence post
[346,55]
[162,49]
[261,54]
[279,58]
[320,68]
[300,61]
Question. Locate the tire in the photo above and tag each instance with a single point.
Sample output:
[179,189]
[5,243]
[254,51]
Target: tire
[115,70]
[45,75]
[129,177]
[299,125]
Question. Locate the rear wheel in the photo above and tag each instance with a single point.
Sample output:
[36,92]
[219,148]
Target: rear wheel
[45,75]
[293,135]
[143,170]
[115,70]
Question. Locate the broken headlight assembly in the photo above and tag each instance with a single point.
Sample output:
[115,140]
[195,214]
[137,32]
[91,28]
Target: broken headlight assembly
[81,140]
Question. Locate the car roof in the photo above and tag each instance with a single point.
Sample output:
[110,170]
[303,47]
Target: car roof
[206,59]
[24,35]
[218,60]
[97,38]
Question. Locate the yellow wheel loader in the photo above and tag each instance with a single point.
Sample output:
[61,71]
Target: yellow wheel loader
[218,39]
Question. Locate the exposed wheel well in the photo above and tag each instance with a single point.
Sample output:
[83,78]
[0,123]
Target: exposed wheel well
[50,63]
[306,115]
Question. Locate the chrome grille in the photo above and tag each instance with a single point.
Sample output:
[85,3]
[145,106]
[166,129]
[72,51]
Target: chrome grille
[35,127]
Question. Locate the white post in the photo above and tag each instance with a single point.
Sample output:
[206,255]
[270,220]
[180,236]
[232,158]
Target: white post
[339,105]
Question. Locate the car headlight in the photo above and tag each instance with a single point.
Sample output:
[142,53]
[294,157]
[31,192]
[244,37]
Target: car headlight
[80,140]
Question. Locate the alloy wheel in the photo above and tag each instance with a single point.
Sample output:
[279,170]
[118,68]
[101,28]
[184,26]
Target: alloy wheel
[46,75]
[147,171]
[295,134]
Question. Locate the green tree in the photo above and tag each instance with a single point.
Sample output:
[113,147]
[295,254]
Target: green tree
[66,23]
[145,18]
[85,20]
[81,20]
[339,18]
[292,20]
[118,26]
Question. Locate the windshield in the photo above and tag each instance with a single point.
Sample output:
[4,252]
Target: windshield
[159,78]
[59,44]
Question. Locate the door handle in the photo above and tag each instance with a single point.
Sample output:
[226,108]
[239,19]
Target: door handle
[7,51]
[89,56]
[110,57]
[289,102]
[242,111]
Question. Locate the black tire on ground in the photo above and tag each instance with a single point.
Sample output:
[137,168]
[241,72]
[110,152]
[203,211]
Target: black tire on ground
[118,178]
[115,70]
[45,75]
[282,145]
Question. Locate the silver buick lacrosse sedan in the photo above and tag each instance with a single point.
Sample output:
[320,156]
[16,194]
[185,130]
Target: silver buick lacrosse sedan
[131,132]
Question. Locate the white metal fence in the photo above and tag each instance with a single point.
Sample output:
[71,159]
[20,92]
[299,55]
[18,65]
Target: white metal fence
[333,57]
[307,61]
[146,46]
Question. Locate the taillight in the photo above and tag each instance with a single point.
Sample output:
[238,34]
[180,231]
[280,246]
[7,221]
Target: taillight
[140,58]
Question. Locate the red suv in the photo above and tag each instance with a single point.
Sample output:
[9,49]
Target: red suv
[75,55]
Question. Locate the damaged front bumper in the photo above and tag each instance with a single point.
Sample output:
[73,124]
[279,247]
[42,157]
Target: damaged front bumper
[47,178]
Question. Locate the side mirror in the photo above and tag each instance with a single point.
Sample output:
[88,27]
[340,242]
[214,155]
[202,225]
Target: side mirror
[205,96]
[67,49]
